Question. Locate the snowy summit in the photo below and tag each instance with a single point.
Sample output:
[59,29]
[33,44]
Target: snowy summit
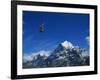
[67,44]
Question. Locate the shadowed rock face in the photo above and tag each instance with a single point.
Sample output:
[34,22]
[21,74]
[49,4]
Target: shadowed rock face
[64,55]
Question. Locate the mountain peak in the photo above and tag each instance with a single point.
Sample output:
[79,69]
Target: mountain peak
[67,44]
[41,53]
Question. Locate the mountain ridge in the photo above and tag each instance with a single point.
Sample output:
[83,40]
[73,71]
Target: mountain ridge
[66,54]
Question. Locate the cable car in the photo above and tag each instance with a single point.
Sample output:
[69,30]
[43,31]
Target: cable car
[41,29]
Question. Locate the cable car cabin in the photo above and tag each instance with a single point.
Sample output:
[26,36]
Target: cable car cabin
[41,28]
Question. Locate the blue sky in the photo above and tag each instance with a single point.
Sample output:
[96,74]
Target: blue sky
[58,28]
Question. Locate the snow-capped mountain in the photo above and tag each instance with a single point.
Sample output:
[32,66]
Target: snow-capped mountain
[66,54]
[29,57]
[67,44]
[35,59]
